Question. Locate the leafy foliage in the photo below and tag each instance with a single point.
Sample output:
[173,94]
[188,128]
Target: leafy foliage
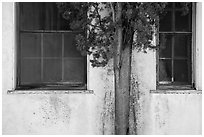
[98,20]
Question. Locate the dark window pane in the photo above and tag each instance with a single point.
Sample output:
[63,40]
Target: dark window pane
[30,71]
[70,48]
[31,16]
[74,70]
[182,45]
[165,45]
[41,16]
[180,71]
[169,5]
[165,70]
[30,45]
[179,4]
[182,22]
[52,70]
[53,19]
[52,46]
[166,22]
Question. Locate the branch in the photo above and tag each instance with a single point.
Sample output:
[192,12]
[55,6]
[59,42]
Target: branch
[113,12]
[119,37]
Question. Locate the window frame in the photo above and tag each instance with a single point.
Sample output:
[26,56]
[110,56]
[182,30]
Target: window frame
[179,85]
[43,86]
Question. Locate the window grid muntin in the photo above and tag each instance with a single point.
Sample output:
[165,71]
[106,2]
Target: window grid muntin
[63,57]
[42,50]
[173,32]
[59,85]
[53,85]
[42,45]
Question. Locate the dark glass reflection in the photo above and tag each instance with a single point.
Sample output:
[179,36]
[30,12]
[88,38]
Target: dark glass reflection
[182,43]
[182,22]
[52,70]
[52,44]
[180,5]
[165,70]
[30,45]
[30,71]
[74,70]
[165,45]
[166,22]
[180,71]
[169,5]
[70,48]
[41,16]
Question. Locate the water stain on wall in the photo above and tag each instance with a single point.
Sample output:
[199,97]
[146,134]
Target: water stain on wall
[108,109]
[54,110]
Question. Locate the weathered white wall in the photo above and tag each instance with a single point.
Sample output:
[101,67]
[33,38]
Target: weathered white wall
[144,80]
[53,113]
[174,112]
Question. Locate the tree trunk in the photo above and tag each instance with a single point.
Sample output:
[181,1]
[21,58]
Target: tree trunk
[122,63]
[122,94]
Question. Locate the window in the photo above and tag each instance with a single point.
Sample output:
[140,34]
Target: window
[175,47]
[47,54]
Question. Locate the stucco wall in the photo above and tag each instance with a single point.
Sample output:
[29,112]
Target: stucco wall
[162,112]
[176,114]
[76,113]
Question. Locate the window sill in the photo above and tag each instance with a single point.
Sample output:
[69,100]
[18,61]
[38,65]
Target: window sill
[175,86]
[50,92]
[177,91]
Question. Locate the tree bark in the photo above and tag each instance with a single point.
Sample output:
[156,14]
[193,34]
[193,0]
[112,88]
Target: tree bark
[122,63]
[122,97]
